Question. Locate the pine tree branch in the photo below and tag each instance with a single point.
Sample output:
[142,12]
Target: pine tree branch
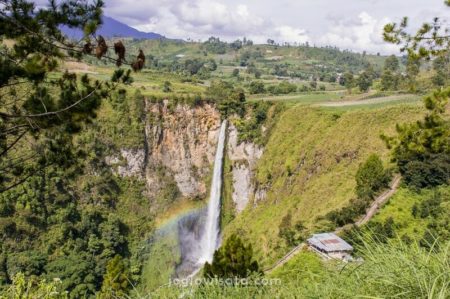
[5,115]
[14,143]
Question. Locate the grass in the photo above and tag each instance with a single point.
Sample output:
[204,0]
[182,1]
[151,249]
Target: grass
[227,211]
[399,207]
[304,98]
[308,168]
[388,271]
[372,103]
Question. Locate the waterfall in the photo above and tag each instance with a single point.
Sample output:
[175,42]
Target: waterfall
[198,232]
[210,237]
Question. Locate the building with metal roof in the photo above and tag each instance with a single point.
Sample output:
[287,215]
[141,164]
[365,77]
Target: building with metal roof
[331,245]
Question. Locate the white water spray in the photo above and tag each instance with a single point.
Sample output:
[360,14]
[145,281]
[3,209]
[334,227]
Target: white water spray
[210,237]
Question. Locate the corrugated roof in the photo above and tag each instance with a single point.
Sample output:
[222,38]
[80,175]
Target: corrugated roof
[329,242]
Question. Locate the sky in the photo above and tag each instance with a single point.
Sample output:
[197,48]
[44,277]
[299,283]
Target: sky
[348,24]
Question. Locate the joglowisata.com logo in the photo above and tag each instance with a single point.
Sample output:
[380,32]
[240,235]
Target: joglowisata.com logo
[236,281]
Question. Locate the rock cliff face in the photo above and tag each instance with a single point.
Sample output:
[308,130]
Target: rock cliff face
[243,157]
[130,163]
[181,142]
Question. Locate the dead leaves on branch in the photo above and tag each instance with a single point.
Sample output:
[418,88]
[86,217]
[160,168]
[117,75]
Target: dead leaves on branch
[139,63]
[102,48]
[88,48]
[119,49]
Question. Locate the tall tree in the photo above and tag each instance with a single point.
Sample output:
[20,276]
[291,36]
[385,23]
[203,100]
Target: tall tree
[422,149]
[349,81]
[116,282]
[390,78]
[233,259]
[441,67]
[431,40]
[412,70]
[364,81]
[38,114]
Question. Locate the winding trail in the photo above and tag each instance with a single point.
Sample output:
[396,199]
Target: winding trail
[380,201]
[376,204]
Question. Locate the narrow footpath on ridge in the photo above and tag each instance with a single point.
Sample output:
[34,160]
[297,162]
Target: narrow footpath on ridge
[371,211]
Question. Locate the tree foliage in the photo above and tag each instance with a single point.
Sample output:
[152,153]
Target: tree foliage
[364,81]
[35,108]
[292,234]
[390,78]
[348,81]
[117,279]
[229,100]
[422,149]
[233,259]
[371,177]
[431,40]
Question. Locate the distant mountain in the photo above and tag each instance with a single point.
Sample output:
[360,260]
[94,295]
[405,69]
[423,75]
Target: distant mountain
[113,28]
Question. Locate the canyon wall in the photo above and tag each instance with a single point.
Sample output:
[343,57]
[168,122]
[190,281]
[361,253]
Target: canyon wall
[180,144]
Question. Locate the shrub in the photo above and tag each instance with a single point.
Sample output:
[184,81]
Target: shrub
[428,207]
[371,177]
[256,87]
[349,213]
[293,235]
[430,172]
[282,88]
[233,259]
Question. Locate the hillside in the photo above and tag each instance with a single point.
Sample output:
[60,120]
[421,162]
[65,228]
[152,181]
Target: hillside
[308,169]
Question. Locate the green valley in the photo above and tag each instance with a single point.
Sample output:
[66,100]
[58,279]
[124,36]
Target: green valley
[134,166]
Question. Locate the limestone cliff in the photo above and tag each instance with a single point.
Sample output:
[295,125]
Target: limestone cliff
[181,142]
[243,157]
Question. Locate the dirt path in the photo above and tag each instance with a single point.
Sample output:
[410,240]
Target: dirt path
[377,203]
[380,201]
[285,258]
[367,101]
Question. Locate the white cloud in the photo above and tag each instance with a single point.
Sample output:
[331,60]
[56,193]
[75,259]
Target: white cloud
[360,34]
[291,34]
[200,19]
[355,25]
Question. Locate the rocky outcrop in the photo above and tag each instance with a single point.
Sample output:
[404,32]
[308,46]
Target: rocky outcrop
[180,144]
[243,157]
[181,140]
[130,163]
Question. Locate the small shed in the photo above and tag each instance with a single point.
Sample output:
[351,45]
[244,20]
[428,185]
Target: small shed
[331,245]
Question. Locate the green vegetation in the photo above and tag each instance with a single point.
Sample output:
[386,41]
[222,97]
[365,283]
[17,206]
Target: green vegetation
[282,88]
[258,114]
[233,259]
[292,234]
[71,227]
[30,288]
[389,270]
[412,217]
[229,100]
[116,281]
[390,79]
[308,168]
[371,177]
[159,259]
[421,150]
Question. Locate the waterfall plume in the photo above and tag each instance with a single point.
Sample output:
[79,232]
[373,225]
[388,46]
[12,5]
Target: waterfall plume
[210,237]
